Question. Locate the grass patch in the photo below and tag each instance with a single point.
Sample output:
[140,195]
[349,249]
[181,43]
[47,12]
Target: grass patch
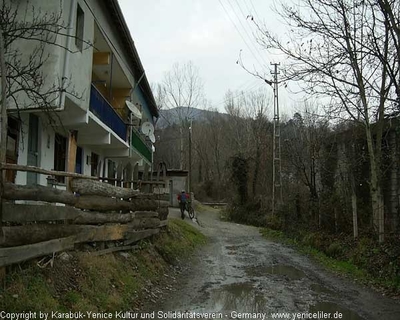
[98,283]
[180,241]
[344,267]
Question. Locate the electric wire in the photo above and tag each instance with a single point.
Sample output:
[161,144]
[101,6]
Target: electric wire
[255,11]
[245,29]
[258,84]
[240,34]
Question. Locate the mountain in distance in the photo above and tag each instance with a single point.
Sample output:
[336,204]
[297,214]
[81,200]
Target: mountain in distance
[169,117]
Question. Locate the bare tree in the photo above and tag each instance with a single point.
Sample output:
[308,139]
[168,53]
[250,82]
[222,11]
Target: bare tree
[180,92]
[183,90]
[344,49]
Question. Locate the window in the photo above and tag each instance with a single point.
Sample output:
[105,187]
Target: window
[80,23]
[60,155]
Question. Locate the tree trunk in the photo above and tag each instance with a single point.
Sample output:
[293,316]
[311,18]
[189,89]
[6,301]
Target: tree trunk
[375,190]
[29,234]
[31,213]
[256,169]
[38,193]
[93,187]
[355,217]
[96,203]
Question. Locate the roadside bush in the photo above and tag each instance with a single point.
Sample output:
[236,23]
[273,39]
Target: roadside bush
[335,250]
[249,213]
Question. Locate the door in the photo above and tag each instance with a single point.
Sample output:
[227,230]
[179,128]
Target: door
[78,160]
[60,155]
[94,163]
[12,147]
[33,148]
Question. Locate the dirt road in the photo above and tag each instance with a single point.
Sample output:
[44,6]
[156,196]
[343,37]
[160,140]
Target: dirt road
[239,273]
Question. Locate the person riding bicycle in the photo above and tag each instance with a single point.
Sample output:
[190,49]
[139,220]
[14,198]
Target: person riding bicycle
[183,197]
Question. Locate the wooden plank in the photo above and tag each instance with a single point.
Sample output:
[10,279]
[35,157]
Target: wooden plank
[139,235]
[18,254]
[22,253]
[90,187]
[17,167]
[163,223]
[145,214]
[39,213]
[71,161]
[34,233]
[96,203]
[28,212]
[38,193]
[163,213]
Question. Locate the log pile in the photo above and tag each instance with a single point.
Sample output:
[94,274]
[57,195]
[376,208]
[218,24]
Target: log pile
[55,220]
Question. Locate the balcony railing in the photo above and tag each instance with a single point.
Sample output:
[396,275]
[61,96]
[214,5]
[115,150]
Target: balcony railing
[140,145]
[106,113]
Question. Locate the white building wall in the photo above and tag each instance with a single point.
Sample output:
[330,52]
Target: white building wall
[23,148]
[107,27]
[79,64]
[46,150]
[78,73]
[51,68]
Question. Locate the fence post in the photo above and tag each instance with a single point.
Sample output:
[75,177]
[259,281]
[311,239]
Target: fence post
[72,146]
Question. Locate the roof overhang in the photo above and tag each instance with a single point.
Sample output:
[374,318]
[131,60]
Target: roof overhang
[137,68]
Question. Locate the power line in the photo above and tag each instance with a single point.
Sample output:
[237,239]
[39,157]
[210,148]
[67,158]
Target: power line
[254,84]
[237,29]
[255,11]
[245,29]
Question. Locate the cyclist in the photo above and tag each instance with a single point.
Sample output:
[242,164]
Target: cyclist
[182,199]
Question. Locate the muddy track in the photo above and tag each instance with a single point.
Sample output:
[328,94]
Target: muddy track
[239,271]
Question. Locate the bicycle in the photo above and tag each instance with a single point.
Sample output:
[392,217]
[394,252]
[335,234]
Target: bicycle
[190,209]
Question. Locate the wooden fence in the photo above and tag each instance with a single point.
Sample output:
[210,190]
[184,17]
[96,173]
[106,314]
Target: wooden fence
[38,220]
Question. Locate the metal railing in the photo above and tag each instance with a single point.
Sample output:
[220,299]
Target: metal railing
[101,108]
[141,146]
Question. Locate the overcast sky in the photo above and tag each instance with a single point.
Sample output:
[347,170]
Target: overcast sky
[210,33]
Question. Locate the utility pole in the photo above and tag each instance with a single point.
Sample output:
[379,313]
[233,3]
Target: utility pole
[276,154]
[181,148]
[3,136]
[190,157]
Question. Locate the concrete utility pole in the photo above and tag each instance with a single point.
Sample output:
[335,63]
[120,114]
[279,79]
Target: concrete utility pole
[190,157]
[276,155]
[3,106]
[181,149]
[3,136]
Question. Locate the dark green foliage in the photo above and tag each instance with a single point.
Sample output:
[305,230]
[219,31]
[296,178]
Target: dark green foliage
[239,176]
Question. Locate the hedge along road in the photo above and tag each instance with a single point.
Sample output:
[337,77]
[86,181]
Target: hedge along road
[242,275]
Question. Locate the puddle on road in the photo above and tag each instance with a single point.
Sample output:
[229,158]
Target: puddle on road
[316,287]
[237,296]
[332,308]
[281,270]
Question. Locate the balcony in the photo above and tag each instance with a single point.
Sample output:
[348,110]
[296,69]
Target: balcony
[100,107]
[140,145]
